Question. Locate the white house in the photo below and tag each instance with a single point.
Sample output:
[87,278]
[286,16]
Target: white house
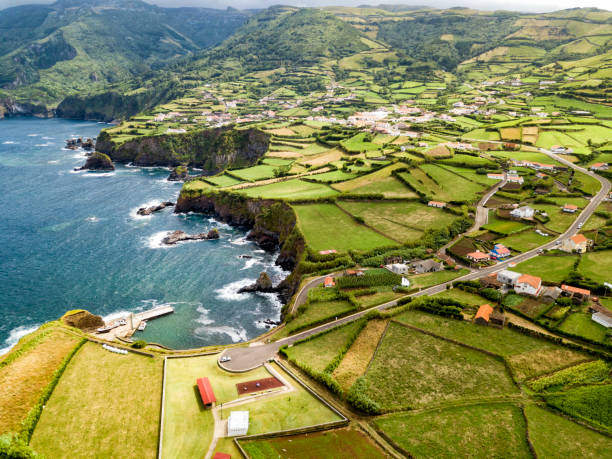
[577,243]
[237,423]
[398,268]
[523,212]
[599,167]
[508,277]
[602,319]
[529,285]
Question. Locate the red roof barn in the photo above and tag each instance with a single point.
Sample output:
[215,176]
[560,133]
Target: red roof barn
[206,391]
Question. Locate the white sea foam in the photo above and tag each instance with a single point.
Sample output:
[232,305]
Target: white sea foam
[240,241]
[14,336]
[272,298]
[55,161]
[46,144]
[48,138]
[121,314]
[134,210]
[203,319]
[155,241]
[235,334]
[33,135]
[250,263]
[99,174]
[229,292]
[9,142]
[93,219]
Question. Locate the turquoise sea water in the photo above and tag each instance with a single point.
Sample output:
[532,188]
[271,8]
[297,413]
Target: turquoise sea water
[73,240]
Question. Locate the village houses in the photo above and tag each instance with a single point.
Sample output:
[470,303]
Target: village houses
[528,285]
[577,243]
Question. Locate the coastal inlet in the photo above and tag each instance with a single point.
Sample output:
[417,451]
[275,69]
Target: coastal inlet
[74,240]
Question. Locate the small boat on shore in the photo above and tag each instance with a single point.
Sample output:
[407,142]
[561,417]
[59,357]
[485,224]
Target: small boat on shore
[107,328]
[142,325]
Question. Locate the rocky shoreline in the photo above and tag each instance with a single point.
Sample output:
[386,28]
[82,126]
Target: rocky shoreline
[181,236]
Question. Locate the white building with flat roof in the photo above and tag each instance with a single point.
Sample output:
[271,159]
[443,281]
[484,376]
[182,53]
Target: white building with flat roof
[237,423]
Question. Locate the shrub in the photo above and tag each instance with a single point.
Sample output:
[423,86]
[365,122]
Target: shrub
[358,397]
[12,447]
[139,344]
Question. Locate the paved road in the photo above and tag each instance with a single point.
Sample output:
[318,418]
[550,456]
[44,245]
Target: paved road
[244,359]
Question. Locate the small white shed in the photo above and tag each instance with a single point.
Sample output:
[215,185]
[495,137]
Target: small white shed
[237,423]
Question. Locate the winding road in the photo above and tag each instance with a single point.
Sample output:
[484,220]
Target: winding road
[247,358]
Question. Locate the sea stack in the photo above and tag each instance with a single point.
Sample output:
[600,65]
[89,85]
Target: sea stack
[98,162]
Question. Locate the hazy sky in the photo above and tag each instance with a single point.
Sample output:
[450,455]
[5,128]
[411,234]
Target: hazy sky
[518,5]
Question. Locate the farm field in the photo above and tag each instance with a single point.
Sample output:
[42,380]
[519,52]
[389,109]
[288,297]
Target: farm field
[503,226]
[322,223]
[289,189]
[462,296]
[581,325]
[287,410]
[429,279]
[368,179]
[331,443]
[317,312]
[95,407]
[527,356]
[453,184]
[356,360]
[597,265]
[524,241]
[223,180]
[252,174]
[401,221]
[559,221]
[459,432]
[334,176]
[27,369]
[555,436]
[318,352]
[188,425]
[411,369]
[549,268]
[590,403]
[390,187]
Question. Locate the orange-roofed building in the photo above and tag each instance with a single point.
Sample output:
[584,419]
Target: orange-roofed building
[438,204]
[206,391]
[577,243]
[576,292]
[483,315]
[329,282]
[222,456]
[570,208]
[477,256]
[528,285]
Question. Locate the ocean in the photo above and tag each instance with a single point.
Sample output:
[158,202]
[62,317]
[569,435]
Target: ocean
[72,240]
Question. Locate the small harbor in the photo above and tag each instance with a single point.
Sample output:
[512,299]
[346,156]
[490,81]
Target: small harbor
[126,326]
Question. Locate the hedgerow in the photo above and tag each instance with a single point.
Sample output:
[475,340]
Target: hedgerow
[358,397]
[586,373]
[369,280]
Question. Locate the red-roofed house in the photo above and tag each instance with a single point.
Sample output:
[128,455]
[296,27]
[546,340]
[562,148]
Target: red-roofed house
[329,282]
[438,204]
[599,167]
[206,391]
[577,243]
[529,285]
[222,456]
[570,208]
[483,315]
[477,256]
[499,251]
[581,294]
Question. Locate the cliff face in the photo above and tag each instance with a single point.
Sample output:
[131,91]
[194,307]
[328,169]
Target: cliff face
[210,149]
[272,223]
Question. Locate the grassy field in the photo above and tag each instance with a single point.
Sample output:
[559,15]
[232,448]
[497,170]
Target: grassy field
[430,279]
[390,187]
[27,370]
[252,174]
[322,223]
[317,312]
[289,410]
[597,265]
[333,176]
[555,436]
[356,360]
[318,352]
[332,443]
[401,221]
[462,296]
[549,268]
[503,226]
[359,143]
[223,180]
[476,431]
[559,221]
[290,189]
[524,241]
[460,188]
[368,179]
[412,370]
[100,405]
[188,425]
[582,325]
[526,355]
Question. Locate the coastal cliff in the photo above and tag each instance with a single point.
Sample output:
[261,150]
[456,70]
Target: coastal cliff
[209,149]
[273,226]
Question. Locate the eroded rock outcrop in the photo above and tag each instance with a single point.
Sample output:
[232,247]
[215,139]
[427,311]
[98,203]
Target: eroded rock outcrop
[83,320]
[263,284]
[181,236]
[144,211]
[179,174]
[98,162]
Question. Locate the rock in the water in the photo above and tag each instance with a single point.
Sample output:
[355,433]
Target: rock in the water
[263,284]
[179,174]
[149,210]
[83,320]
[98,162]
[181,236]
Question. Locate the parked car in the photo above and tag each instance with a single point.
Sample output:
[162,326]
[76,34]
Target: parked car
[225,358]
